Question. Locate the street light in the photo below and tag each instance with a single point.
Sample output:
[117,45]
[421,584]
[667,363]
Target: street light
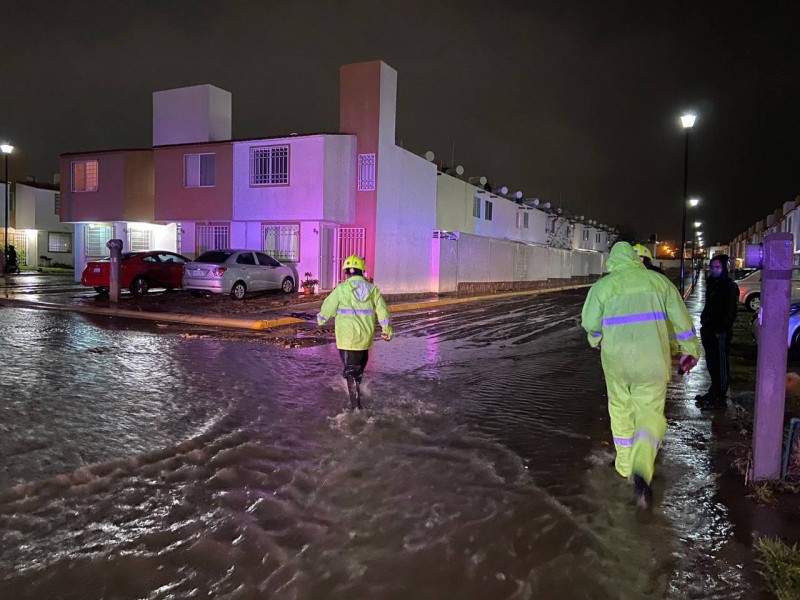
[6,149]
[687,121]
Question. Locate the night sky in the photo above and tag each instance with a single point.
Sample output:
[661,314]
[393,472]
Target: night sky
[576,103]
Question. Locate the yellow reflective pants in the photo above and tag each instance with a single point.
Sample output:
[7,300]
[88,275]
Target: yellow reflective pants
[637,424]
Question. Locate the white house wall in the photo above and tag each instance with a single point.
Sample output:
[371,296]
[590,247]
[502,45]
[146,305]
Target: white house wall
[405,221]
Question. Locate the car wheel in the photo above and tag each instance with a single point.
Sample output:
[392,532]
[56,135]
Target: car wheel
[195,293]
[287,286]
[139,286]
[794,349]
[753,302]
[103,291]
[238,290]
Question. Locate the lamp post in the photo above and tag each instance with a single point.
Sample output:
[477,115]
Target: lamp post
[697,234]
[687,121]
[6,149]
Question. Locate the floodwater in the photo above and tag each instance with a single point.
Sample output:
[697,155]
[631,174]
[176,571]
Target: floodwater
[139,464]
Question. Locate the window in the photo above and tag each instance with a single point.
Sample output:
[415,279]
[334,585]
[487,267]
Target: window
[139,240]
[267,261]
[525,221]
[269,165]
[84,176]
[597,237]
[211,237]
[282,241]
[585,235]
[59,242]
[476,208]
[488,210]
[96,238]
[366,172]
[198,170]
[519,219]
[57,204]
[550,226]
[246,258]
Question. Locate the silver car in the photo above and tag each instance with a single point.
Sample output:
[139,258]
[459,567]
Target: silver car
[236,272]
[750,289]
[793,339]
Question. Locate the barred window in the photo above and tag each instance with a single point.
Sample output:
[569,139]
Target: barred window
[57,204]
[269,165]
[282,241]
[96,238]
[211,237]
[139,240]
[59,242]
[198,170]
[84,175]
[366,172]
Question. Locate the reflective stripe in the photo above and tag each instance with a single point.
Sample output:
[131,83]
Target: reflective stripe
[596,334]
[645,435]
[383,323]
[355,311]
[623,441]
[636,318]
[321,320]
[685,335]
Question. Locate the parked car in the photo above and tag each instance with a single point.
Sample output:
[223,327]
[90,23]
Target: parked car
[750,289]
[793,338]
[139,271]
[236,272]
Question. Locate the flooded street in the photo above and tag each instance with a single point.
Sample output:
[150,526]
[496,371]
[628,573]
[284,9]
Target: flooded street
[139,463]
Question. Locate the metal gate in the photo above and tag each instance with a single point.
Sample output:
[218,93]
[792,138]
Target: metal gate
[349,240]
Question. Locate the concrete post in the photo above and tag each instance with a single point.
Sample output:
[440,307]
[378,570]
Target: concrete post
[772,348]
[115,246]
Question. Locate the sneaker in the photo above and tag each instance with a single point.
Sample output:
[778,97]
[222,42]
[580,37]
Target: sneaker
[713,403]
[703,398]
[643,493]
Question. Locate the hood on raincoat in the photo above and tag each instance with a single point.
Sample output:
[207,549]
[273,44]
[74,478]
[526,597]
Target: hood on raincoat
[623,256]
[361,289]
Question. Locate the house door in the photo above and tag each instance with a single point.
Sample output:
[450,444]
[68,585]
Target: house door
[349,240]
[327,268]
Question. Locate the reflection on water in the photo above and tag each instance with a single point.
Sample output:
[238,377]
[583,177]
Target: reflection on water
[229,470]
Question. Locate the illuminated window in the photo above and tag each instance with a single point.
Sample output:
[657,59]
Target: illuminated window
[488,210]
[282,241]
[269,165]
[139,240]
[59,242]
[366,172]
[211,236]
[476,208]
[198,170]
[84,176]
[96,238]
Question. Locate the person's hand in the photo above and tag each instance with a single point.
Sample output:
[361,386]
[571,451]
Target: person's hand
[687,362]
[386,337]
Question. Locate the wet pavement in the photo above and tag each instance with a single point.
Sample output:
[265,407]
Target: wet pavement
[145,463]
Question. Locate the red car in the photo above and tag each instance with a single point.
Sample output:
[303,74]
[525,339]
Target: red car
[140,271]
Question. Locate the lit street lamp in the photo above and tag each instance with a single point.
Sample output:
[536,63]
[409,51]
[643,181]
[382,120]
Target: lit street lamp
[687,121]
[6,149]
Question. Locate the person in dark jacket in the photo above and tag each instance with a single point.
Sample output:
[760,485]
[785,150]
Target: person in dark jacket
[716,330]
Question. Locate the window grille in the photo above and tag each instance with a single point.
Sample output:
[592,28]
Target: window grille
[446,235]
[211,237]
[84,176]
[366,172]
[476,208]
[59,242]
[282,241]
[96,238]
[488,208]
[57,204]
[198,170]
[139,240]
[269,165]
[349,240]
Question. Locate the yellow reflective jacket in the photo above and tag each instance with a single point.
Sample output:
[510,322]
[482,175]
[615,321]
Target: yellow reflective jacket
[356,303]
[633,311]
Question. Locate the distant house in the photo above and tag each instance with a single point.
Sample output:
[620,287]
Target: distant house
[36,232]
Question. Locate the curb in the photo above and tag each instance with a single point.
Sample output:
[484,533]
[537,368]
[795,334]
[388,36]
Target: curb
[257,324]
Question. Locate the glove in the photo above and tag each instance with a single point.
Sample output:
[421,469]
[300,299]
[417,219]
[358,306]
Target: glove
[686,363]
[386,337]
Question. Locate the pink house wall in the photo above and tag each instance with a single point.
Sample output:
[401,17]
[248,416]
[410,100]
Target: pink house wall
[105,204]
[174,202]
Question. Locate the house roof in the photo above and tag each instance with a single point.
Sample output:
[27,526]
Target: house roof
[40,185]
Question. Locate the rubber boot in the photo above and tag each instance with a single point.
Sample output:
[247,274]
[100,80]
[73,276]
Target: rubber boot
[354,389]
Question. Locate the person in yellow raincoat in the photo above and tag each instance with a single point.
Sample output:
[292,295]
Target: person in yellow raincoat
[628,314]
[357,304]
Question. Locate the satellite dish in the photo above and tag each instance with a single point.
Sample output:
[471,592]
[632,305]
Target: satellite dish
[546,205]
[518,195]
[536,202]
[459,170]
[429,156]
[483,180]
[502,190]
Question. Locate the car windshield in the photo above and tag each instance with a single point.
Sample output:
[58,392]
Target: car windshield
[214,256]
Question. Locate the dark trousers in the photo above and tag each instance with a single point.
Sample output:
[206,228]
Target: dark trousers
[717,349]
[354,362]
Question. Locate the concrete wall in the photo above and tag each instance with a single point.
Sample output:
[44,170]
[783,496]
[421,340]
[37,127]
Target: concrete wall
[478,259]
[36,213]
[200,113]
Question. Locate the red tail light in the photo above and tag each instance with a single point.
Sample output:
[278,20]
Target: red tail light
[218,271]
